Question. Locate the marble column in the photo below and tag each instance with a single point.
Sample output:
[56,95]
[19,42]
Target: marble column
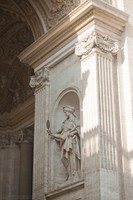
[100,129]
[40,81]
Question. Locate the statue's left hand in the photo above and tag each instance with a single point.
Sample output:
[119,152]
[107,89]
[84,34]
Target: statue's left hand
[49,132]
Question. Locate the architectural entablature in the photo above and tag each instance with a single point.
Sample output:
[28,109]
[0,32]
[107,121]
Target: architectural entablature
[92,13]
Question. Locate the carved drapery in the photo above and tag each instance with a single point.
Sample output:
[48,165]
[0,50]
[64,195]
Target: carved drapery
[96,40]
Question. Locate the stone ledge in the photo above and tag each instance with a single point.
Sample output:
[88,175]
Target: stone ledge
[64,190]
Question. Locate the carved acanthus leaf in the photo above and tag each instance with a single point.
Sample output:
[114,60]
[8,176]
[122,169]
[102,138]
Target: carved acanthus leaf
[40,78]
[103,42]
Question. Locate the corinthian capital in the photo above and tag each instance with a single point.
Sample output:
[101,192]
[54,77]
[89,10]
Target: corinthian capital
[96,40]
[40,78]
[4,140]
[22,136]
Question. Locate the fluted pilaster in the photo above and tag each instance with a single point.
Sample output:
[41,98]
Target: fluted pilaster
[107,124]
[40,81]
[99,116]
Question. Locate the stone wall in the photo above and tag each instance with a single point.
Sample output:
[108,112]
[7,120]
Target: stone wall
[78,64]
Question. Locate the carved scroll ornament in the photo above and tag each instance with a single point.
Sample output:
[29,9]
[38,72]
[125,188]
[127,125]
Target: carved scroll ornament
[40,78]
[102,42]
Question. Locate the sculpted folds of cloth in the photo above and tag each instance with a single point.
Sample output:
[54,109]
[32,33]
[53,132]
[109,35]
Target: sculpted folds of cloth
[69,138]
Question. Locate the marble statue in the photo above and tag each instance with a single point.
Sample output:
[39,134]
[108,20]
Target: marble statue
[68,137]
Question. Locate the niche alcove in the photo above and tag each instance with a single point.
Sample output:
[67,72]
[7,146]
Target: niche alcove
[58,172]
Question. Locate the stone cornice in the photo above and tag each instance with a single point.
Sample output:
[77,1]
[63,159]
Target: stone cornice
[94,12]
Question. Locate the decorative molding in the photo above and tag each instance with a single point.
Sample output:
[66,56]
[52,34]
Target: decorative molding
[40,79]
[66,189]
[96,40]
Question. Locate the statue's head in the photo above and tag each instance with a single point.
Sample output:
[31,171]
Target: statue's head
[68,109]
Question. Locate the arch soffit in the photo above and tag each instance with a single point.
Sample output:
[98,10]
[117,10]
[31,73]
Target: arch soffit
[40,15]
[25,11]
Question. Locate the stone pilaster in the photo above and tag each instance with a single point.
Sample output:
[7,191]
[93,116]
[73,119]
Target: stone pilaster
[26,161]
[16,169]
[99,131]
[40,81]
[9,168]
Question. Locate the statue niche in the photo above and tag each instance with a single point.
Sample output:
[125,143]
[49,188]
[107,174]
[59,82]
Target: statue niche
[68,137]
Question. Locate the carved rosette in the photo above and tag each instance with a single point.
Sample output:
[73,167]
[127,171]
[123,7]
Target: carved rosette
[96,40]
[40,79]
[21,136]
